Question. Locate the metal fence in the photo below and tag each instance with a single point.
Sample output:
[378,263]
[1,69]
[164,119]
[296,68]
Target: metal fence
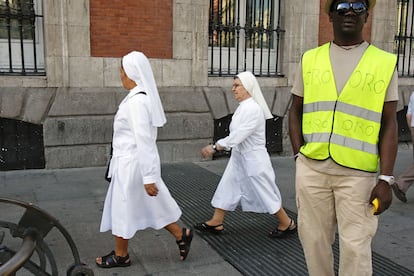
[244,35]
[404,38]
[21,37]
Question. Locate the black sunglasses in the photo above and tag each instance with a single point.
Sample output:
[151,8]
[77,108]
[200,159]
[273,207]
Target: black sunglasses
[344,7]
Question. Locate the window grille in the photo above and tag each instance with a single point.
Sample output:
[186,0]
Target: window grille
[244,35]
[403,45]
[21,37]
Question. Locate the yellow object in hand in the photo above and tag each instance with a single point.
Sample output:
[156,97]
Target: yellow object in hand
[375,203]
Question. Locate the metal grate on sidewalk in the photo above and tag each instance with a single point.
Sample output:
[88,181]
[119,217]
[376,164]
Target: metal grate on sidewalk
[244,242]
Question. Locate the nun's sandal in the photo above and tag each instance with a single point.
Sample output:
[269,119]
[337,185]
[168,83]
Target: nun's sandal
[112,260]
[204,227]
[185,243]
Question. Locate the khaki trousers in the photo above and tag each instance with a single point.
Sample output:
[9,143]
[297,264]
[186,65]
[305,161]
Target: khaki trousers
[328,201]
[406,179]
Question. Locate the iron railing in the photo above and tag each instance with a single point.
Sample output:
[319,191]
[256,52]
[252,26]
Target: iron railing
[244,35]
[21,38]
[403,46]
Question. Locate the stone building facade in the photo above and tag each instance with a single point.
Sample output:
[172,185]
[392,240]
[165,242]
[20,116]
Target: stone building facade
[76,100]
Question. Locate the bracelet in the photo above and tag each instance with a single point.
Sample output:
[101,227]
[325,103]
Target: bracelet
[214,147]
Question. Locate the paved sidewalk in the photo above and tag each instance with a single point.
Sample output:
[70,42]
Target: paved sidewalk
[394,238]
[75,197]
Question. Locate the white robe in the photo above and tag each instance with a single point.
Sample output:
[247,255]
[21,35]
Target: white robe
[249,179]
[135,162]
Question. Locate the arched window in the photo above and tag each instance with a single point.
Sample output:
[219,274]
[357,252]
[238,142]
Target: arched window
[21,37]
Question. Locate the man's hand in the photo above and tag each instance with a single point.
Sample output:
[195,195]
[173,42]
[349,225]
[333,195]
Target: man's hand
[383,193]
[151,189]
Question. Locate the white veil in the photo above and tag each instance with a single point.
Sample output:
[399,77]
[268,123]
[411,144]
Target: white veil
[137,67]
[249,82]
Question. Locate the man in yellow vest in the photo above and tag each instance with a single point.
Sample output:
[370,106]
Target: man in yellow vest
[342,126]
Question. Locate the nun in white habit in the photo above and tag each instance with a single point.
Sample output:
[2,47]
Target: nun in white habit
[249,179]
[137,197]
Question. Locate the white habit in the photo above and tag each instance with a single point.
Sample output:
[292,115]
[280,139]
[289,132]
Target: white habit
[135,162]
[249,179]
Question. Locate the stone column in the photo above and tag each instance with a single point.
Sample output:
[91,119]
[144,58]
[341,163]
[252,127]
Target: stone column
[300,19]
[384,25]
[56,36]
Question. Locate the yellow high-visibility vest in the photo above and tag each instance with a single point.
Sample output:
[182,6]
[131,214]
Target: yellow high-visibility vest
[345,127]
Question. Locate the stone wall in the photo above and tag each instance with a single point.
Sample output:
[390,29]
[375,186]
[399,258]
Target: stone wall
[76,100]
[77,122]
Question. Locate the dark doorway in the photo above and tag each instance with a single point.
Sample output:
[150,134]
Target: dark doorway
[274,143]
[21,145]
[404,134]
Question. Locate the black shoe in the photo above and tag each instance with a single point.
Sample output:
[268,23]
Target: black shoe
[204,227]
[398,193]
[112,260]
[282,234]
[185,243]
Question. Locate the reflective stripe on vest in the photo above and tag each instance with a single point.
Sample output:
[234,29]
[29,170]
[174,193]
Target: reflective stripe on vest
[345,128]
